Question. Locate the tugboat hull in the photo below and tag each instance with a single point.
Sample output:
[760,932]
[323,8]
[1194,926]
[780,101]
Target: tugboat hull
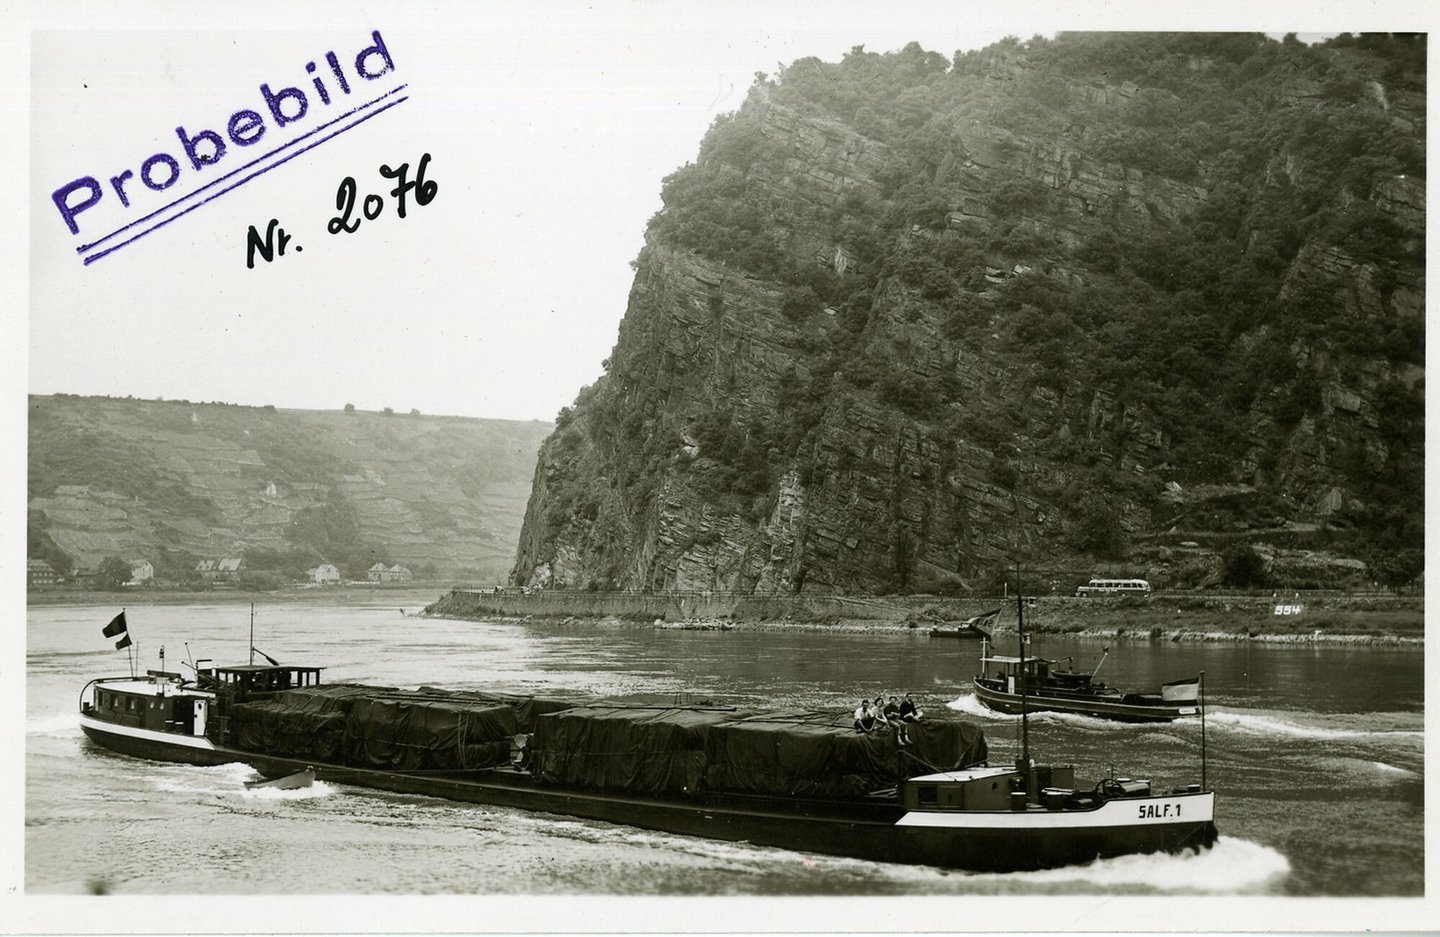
[153,745]
[1013,704]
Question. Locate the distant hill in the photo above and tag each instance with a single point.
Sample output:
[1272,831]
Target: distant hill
[174,482]
[1138,303]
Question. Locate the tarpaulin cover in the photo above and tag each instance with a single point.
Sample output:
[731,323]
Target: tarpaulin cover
[640,750]
[683,751]
[408,732]
[527,708]
[821,755]
[302,723]
[623,747]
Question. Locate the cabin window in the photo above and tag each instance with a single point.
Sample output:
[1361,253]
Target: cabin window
[927,795]
[131,705]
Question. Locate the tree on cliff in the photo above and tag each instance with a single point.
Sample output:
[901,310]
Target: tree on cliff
[1242,566]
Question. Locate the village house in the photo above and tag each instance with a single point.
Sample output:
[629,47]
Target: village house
[324,573]
[382,573]
[39,573]
[142,572]
[224,569]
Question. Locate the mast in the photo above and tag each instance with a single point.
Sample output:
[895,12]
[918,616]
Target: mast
[252,634]
[1202,730]
[1024,676]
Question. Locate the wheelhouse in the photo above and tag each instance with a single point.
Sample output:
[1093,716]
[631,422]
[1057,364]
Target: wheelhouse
[252,679]
[1005,671]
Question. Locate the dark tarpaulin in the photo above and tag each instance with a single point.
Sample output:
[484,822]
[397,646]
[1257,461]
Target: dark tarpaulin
[307,722]
[674,750]
[527,708]
[409,732]
[799,754]
[821,755]
[641,750]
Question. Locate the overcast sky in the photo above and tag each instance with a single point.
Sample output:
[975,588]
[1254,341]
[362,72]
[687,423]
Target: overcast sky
[550,128]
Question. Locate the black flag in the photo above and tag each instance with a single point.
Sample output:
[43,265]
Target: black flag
[124,641]
[116,626]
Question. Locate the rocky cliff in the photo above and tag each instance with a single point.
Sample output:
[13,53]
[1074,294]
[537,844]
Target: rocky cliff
[1102,302]
[174,482]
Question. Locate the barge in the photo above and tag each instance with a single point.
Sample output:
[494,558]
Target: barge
[805,781]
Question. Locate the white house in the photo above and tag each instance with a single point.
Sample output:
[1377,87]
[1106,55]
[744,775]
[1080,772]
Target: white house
[141,572]
[325,572]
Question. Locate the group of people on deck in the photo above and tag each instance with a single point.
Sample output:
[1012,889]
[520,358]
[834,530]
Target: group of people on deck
[874,715]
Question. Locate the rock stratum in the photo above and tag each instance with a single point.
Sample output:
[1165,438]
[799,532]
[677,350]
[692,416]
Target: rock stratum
[173,482]
[1104,303]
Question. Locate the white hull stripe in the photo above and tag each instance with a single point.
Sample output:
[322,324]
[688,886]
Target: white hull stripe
[149,735]
[1147,811]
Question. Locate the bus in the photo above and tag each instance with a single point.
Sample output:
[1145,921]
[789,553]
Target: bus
[1114,587]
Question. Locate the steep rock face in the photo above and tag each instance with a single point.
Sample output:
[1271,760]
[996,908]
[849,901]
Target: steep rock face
[906,373]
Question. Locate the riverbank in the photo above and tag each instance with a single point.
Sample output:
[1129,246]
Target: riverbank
[408,594]
[1319,620]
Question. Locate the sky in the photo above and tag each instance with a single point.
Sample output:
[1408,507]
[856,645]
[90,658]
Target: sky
[549,128]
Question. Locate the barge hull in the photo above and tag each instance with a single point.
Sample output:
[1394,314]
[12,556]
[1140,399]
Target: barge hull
[986,842]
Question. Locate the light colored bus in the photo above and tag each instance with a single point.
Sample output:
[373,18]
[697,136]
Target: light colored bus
[1114,587]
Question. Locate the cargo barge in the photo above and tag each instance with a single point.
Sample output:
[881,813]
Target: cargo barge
[805,781]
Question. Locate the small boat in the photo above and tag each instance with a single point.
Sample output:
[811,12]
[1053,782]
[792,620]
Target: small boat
[1036,684]
[972,629]
[286,782]
[956,631]
[804,781]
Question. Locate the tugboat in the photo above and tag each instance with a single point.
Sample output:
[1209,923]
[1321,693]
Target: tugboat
[795,780]
[1014,685]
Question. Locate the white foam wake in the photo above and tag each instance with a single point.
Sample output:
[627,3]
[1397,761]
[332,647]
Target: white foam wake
[1231,866]
[53,725]
[1254,724]
[229,779]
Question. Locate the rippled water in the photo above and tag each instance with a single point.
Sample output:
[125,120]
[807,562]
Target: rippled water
[1317,755]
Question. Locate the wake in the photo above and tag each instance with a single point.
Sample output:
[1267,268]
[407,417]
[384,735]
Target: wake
[1231,866]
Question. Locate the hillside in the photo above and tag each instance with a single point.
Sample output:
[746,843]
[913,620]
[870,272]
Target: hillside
[175,482]
[1137,303]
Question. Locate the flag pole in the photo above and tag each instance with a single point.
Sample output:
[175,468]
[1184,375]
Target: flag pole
[1202,730]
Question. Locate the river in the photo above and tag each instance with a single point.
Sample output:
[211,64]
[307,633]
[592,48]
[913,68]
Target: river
[1317,755]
